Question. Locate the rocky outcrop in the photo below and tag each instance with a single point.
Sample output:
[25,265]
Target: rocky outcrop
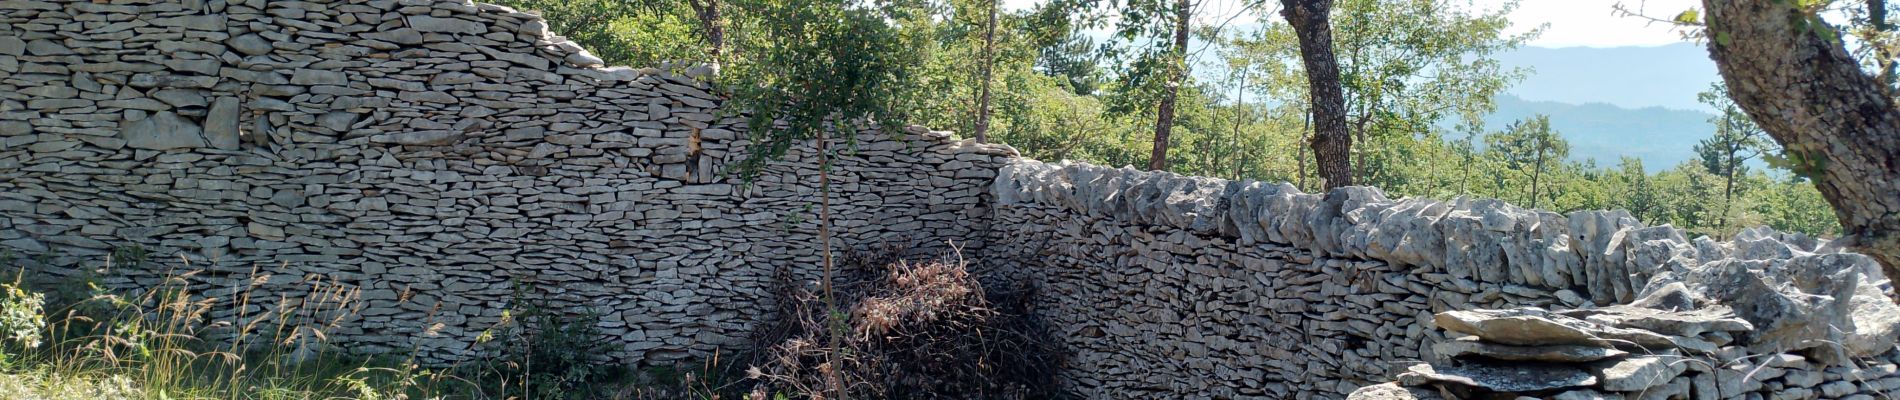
[1503,357]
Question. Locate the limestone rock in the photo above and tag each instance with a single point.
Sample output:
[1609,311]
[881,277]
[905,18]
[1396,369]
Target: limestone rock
[1639,373]
[318,77]
[221,123]
[337,121]
[534,28]
[213,22]
[1501,377]
[1587,394]
[1548,353]
[1670,296]
[43,47]
[163,131]
[1688,323]
[1876,320]
[12,46]
[1521,327]
[250,44]
[1796,303]
[446,25]
[584,60]
[424,138]
[1392,391]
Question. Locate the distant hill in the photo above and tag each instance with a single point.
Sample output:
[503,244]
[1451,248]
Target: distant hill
[1631,77]
[1661,137]
[1615,101]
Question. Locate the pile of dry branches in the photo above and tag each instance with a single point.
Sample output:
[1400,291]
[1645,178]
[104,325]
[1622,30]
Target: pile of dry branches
[909,330]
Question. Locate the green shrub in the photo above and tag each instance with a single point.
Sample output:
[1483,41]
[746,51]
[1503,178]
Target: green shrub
[22,321]
[544,352]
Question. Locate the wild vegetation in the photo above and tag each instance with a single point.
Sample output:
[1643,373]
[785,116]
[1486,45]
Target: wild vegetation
[916,330]
[1417,76]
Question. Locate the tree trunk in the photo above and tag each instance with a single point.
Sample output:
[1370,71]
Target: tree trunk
[1177,73]
[1833,119]
[1240,108]
[1306,125]
[1537,173]
[1464,175]
[1728,170]
[1332,147]
[710,20]
[989,66]
[1877,13]
[835,351]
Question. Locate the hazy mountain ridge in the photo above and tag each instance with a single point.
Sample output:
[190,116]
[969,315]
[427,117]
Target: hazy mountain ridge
[1613,102]
[1661,137]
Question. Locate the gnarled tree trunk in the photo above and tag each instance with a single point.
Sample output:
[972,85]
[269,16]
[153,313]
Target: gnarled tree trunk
[1833,119]
[1332,147]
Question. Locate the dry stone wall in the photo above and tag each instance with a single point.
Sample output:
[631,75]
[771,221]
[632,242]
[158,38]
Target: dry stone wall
[1163,285]
[426,155]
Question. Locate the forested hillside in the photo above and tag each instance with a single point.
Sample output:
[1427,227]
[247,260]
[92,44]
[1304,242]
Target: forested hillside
[1239,108]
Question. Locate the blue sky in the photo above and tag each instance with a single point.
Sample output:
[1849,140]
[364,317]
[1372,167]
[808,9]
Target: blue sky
[1587,23]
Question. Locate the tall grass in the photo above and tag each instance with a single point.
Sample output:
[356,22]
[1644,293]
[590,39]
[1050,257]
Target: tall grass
[163,342]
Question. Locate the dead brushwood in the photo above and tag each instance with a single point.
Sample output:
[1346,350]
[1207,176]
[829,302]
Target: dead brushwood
[911,330]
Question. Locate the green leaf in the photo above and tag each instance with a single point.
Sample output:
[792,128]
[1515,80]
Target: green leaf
[1689,17]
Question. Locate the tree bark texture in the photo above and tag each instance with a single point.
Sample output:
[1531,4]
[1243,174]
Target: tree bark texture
[1810,95]
[1332,146]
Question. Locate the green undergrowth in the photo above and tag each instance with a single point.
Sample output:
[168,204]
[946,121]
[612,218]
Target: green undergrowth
[75,340]
[186,337]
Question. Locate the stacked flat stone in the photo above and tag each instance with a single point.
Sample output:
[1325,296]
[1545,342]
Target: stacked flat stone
[1195,287]
[427,154]
[1620,352]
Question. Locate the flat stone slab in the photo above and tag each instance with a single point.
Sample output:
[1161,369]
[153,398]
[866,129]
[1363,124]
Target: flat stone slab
[1678,323]
[1521,327]
[1392,391]
[1639,373]
[163,131]
[1549,353]
[1537,327]
[1501,377]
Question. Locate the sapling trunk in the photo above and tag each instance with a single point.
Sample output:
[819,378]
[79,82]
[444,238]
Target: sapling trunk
[832,322]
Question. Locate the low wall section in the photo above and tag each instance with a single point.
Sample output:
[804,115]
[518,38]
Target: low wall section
[1161,285]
